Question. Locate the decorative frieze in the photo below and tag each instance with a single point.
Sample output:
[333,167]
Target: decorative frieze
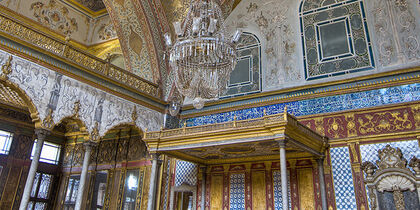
[75,57]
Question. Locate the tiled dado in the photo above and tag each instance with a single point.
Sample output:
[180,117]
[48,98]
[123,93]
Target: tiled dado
[358,100]
[343,178]
[347,125]
[186,172]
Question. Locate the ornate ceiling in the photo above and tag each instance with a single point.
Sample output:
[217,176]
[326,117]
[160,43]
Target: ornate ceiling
[94,5]
[90,6]
[175,10]
[140,25]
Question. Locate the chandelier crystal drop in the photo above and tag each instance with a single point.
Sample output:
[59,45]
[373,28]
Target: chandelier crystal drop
[202,56]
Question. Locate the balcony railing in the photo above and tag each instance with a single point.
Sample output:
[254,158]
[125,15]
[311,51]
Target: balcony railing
[76,57]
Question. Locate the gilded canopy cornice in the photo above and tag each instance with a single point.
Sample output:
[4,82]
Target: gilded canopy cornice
[236,140]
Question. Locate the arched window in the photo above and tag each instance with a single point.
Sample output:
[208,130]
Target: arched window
[246,77]
[335,37]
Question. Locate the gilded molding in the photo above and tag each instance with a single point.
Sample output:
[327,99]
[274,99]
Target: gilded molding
[27,36]
[6,69]
[309,94]
[263,131]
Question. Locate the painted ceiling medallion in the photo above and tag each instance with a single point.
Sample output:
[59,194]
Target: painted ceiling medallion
[94,5]
[203,56]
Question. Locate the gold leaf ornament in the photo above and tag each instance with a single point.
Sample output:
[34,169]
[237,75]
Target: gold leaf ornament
[135,42]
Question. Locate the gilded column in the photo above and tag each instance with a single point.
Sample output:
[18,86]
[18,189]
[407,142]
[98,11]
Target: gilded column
[294,189]
[248,186]
[269,187]
[322,183]
[153,182]
[359,185]
[226,194]
[41,135]
[283,174]
[83,176]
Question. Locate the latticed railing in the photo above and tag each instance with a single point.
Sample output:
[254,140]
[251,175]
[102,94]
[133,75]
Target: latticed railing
[76,57]
[235,124]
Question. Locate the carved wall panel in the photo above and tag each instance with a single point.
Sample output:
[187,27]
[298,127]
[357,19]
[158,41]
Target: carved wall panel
[55,95]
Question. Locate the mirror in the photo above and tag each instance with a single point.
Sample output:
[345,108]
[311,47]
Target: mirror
[99,190]
[183,197]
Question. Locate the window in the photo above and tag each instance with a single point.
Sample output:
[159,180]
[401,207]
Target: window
[335,38]
[71,194]
[5,142]
[246,77]
[50,153]
[41,189]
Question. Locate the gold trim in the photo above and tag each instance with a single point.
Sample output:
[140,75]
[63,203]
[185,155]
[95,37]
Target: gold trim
[63,51]
[89,82]
[309,94]
[273,127]
[182,156]
[102,49]
[372,138]
[38,27]
[19,179]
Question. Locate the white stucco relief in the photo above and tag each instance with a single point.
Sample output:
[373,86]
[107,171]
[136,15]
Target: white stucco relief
[50,90]
[394,28]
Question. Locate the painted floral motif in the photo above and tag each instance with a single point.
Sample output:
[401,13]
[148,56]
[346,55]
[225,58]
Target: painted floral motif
[54,16]
[107,32]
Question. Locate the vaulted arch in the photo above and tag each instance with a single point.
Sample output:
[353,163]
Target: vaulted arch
[140,36]
[16,94]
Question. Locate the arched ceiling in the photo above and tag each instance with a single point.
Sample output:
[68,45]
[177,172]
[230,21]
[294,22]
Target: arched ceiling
[140,25]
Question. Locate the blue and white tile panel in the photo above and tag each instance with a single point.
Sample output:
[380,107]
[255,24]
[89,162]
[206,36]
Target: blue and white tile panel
[185,172]
[278,202]
[237,191]
[343,178]
[167,183]
[369,152]
[358,100]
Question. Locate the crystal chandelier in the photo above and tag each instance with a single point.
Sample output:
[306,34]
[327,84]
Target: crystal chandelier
[202,56]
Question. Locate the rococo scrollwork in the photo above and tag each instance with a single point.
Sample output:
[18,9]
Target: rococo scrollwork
[391,184]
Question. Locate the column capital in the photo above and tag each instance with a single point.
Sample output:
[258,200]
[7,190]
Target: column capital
[155,156]
[320,160]
[41,133]
[89,144]
[282,143]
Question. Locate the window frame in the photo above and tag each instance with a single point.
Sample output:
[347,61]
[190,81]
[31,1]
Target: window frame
[5,148]
[69,204]
[45,160]
[47,200]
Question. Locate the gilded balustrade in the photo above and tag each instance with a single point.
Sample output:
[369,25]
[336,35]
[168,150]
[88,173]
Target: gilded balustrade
[75,57]
[264,121]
